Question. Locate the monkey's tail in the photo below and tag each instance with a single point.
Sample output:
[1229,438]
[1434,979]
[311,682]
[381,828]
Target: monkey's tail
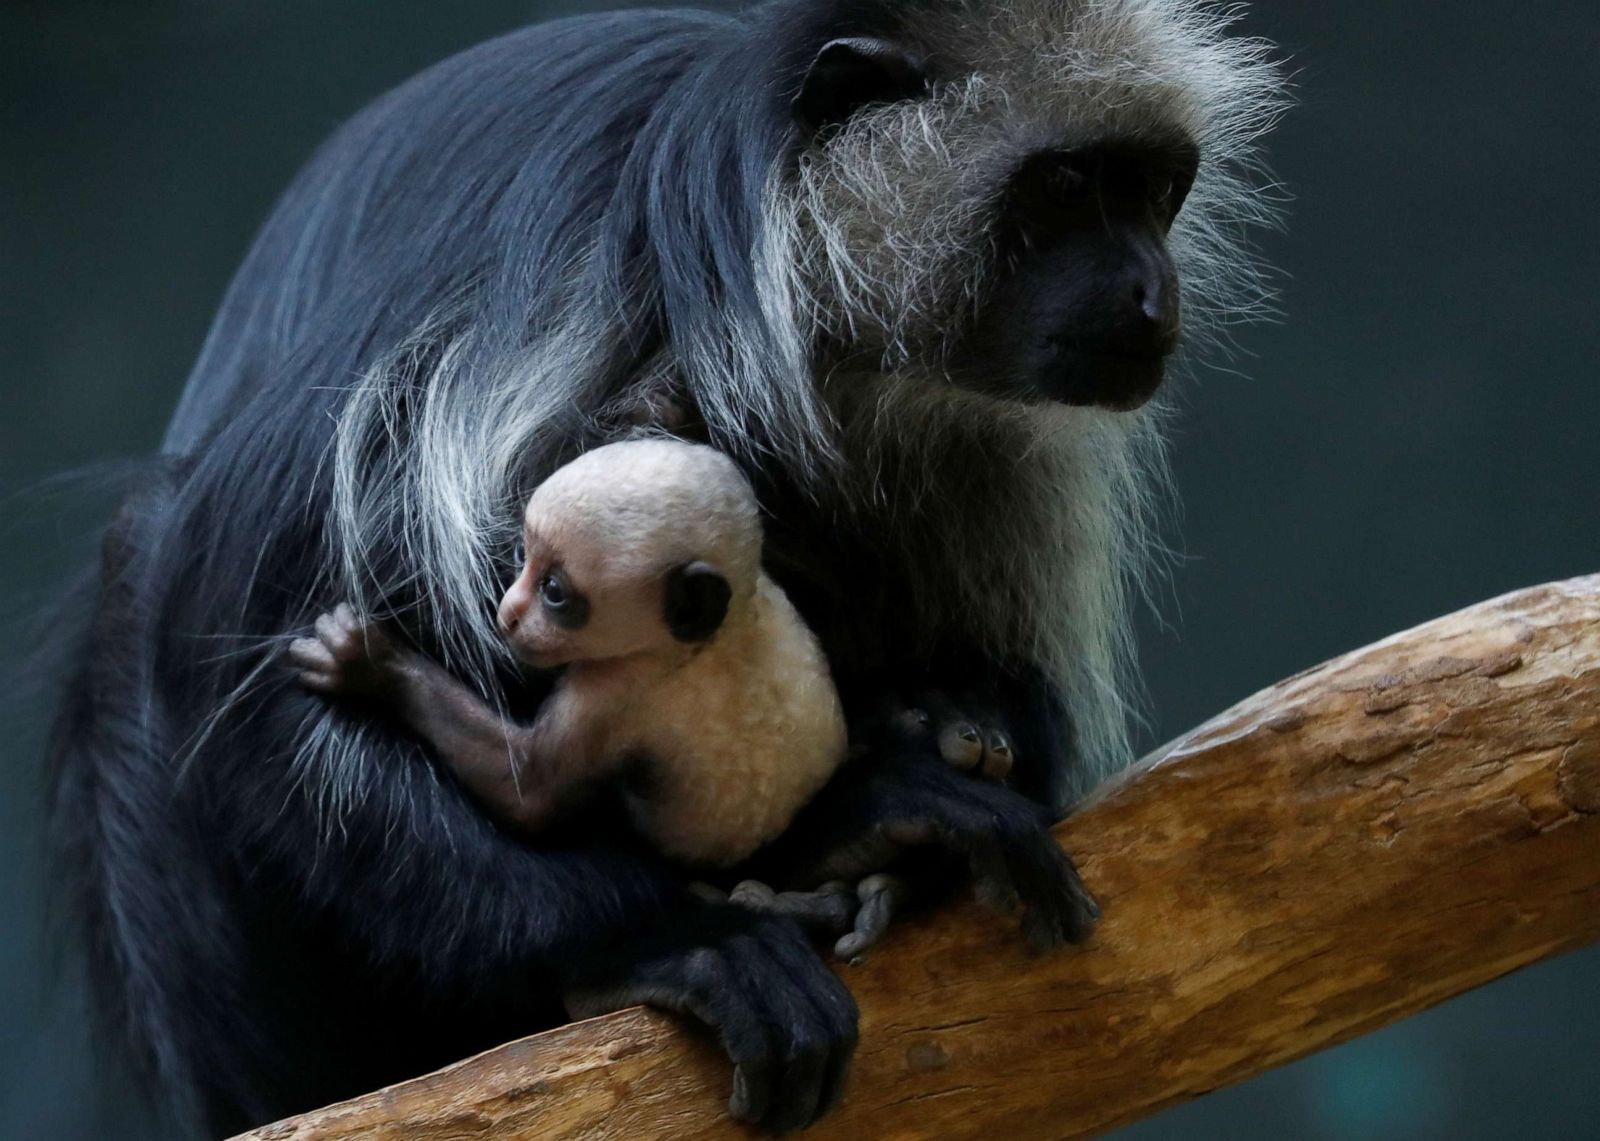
[86,659]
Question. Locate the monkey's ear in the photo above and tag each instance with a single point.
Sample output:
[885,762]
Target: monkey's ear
[696,601]
[847,74]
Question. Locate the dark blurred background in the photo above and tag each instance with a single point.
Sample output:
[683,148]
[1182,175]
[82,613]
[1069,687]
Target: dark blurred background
[1421,431]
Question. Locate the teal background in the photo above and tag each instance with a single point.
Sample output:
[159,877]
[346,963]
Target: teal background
[1419,432]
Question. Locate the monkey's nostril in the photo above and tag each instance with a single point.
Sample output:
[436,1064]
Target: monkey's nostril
[1149,303]
[1150,299]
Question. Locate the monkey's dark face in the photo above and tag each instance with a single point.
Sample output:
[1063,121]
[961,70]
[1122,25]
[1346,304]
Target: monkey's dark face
[1084,308]
[991,202]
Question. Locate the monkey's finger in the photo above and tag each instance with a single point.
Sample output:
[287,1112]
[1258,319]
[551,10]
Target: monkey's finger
[341,637]
[1059,907]
[310,654]
[331,631]
[703,892]
[997,755]
[961,744]
[753,894]
[702,986]
[320,681]
[954,731]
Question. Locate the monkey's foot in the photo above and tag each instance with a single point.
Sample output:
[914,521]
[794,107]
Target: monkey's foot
[858,915]
[828,910]
[880,896]
[345,656]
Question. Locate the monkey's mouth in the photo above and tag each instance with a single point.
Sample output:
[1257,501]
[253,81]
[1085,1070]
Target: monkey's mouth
[1101,380]
[539,656]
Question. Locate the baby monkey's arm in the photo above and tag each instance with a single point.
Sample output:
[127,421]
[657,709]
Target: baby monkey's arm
[524,775]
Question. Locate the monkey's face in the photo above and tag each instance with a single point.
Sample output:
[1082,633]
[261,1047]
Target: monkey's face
[1084,305]
[1011,202]
[579,600]
[545,614]
[634,548]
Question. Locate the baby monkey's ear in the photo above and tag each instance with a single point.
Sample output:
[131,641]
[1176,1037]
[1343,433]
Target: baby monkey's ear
[696,601]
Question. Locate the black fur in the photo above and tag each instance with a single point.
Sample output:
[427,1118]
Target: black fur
[273,932]
[852,73]
[696,601]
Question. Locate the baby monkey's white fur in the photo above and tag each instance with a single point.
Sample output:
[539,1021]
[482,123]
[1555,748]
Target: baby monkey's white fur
[733,728]
[740,730]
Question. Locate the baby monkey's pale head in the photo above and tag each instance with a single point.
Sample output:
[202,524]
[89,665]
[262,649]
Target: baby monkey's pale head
[633,548]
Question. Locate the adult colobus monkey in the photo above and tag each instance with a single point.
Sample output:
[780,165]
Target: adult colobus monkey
[913,263]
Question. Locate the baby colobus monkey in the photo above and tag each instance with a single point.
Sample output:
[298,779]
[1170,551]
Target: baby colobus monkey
[687,671]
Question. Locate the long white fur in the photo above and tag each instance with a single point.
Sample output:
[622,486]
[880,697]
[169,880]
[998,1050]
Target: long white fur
[881,238]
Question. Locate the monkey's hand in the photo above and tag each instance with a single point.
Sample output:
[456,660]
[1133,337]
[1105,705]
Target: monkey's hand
[346,656]
[785,1020]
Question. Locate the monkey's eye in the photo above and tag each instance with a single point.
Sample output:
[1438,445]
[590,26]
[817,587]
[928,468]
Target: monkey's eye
[1167,189]
[1069,181]
[519,554]
[1163,188]
[552,591]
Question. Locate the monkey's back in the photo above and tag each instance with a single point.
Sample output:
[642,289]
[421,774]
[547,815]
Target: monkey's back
[740,738]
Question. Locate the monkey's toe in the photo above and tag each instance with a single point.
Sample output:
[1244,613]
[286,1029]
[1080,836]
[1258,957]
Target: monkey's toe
[830,909]
[881,896]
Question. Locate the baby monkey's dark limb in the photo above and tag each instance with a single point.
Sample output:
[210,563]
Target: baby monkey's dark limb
[829,910]
[855,917]
[880,897]
[908,807]
[505,766]
[975,742]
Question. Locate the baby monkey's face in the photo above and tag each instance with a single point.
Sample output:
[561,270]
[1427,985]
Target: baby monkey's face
[630,550]
[587,595]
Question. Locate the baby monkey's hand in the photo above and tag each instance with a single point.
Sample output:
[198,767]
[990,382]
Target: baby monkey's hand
[347,656]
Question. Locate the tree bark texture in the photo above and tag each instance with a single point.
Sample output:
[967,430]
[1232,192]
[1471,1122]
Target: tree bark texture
[1341,850]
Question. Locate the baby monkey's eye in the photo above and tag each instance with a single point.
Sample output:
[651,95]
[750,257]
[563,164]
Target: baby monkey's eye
[552,591]
[519,554]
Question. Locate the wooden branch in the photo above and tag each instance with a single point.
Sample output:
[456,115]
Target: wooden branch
[1348,847]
